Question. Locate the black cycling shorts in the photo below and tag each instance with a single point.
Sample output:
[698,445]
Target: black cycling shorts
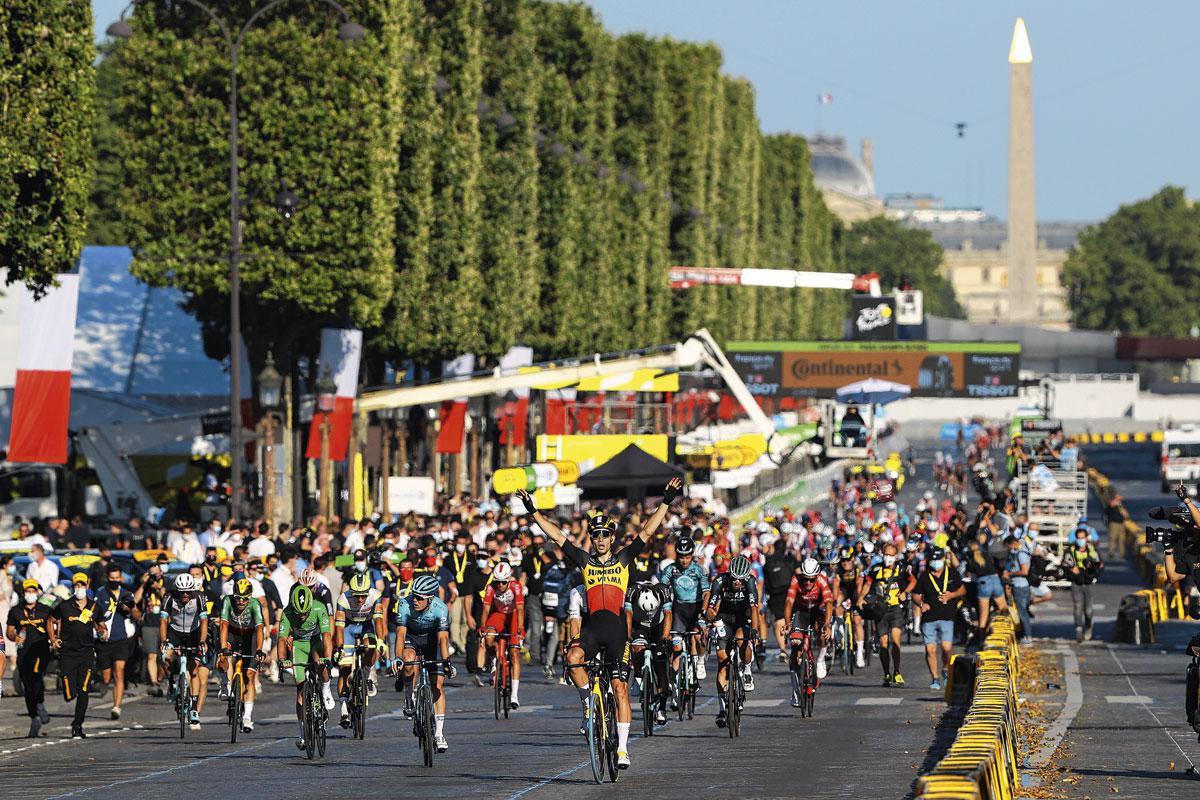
[426,647]
[734,622]
[685,617]
[814,618]
[606,632]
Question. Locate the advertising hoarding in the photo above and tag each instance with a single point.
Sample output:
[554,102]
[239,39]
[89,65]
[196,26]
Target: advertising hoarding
[930,369]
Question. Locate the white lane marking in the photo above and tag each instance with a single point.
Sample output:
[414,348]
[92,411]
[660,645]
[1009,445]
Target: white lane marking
[532,709]
[764,703]
[1053,736]
[1149,710]
[878,701]
[168,770]
[1132,699]
[533,787]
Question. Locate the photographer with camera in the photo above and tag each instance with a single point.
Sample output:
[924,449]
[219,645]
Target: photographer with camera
[1082,566]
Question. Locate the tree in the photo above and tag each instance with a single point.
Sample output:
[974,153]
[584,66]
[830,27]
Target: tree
[48,86]
[313,113]
[896,253]
[103,219]
[1139,270]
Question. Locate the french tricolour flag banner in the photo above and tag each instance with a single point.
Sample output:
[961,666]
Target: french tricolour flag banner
[454,412]
[341,352]
[42,397]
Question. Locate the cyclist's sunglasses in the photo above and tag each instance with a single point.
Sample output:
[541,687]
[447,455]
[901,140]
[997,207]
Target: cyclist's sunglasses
[603,533]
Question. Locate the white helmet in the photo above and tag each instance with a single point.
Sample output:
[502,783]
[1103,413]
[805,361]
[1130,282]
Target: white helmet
[187,583]
[809,567]
[502,572]
[648,600]
[928,495]
[868,547]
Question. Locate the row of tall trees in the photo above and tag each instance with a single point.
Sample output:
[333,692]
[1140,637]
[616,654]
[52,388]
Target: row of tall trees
[46,105]
[472,175]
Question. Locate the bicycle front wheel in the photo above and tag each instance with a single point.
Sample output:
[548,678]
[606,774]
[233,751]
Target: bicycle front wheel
[235,706]
[358,714]
[310,732]
[649,695]
[595,737]
[610,729]
[183,702]
[427,724]
[681,686]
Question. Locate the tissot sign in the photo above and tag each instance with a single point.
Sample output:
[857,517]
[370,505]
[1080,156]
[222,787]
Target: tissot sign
[930,369]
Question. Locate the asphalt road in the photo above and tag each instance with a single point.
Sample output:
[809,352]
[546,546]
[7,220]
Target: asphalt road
[1127,734]
[865,740]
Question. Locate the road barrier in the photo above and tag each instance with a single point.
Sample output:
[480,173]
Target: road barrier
[1123,437]
[981,763]
[1126,541]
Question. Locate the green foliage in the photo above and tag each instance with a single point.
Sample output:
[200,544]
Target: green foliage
[895,252]
[48,87]
[1139,270]
[472,176]
[103,220]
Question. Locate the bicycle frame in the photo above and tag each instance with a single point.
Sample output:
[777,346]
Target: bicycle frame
[424,725]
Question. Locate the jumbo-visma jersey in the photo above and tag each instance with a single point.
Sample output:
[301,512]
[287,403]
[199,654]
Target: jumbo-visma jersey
[605,582]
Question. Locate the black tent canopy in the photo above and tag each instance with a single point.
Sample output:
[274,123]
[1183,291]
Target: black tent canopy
[632,473]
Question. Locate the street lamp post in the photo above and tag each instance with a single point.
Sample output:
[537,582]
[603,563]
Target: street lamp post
[348,31]
[326,400]
[270,390]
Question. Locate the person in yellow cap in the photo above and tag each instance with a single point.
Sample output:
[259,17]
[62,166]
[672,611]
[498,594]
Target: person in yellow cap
[26,625]
[74,625]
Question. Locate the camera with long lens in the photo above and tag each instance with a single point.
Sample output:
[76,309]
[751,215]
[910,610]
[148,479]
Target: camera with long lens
[1182,531]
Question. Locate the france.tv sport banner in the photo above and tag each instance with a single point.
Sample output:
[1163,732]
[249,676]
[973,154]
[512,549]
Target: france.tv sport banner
[930,369]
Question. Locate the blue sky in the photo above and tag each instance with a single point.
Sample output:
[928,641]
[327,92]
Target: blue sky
[1115,102]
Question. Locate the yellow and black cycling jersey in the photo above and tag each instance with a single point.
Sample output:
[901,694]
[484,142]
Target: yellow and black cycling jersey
[888,582]
[605,582]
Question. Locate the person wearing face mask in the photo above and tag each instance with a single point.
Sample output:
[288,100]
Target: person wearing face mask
[938,594]
[119,613]
[27,626]
[73,628]
[889,584]
[458,561]
[1082,565]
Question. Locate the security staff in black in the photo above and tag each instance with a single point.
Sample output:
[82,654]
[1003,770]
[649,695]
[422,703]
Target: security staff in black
[74,625]
[27,627]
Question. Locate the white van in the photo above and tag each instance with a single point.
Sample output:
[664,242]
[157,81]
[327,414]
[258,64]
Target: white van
[1180,457]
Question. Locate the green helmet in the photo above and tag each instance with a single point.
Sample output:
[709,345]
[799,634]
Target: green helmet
[301,600]
[360,583]
[739,568]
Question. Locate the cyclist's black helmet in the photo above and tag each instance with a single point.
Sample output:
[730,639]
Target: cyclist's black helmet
[685,546]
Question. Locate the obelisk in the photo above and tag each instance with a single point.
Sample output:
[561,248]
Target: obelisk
[1022,214]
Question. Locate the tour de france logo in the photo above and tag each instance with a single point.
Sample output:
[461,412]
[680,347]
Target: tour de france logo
[873,317]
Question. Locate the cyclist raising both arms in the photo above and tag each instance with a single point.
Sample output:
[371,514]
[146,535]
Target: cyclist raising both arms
[605,580]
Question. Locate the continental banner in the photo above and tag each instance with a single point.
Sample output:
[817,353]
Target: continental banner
[930,369]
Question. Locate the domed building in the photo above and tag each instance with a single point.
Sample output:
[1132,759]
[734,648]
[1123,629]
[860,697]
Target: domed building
[847,183]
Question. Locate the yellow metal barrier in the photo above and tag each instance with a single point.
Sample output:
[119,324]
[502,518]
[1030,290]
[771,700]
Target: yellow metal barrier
[981,763]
